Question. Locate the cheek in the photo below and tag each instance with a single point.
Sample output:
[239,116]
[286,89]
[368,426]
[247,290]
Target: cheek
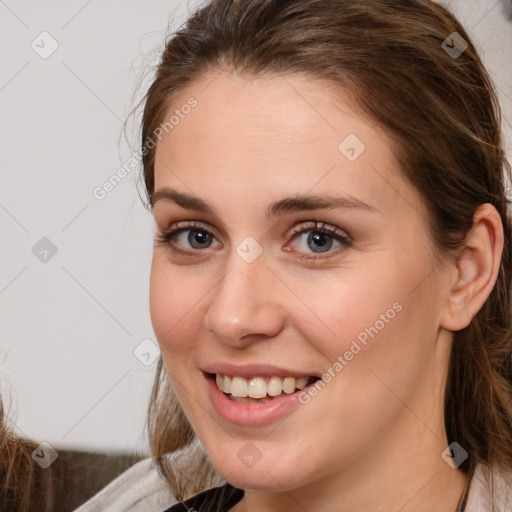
[379,351]
[175,302]
[341,309]
[371,323]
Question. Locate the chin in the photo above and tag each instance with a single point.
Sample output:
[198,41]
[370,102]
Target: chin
[259,480]
[263,475]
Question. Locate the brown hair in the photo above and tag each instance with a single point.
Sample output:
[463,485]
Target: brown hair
[24,485]
[68,482]
[442,112]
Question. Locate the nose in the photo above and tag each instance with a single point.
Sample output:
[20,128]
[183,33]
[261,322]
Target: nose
[247,304]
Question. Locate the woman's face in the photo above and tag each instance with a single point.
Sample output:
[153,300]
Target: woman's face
[271,281]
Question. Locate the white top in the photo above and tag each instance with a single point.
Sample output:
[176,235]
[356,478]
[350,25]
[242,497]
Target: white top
[141,489]
[479,499]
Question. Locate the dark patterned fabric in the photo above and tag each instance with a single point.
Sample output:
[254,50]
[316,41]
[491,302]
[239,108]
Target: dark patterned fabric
[218,499]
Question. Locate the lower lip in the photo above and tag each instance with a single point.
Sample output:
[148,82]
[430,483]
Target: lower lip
[251,414]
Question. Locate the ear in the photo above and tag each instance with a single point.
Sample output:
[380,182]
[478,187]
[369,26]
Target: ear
[475,270]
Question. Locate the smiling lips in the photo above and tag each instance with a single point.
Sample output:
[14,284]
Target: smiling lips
[260,387]
[255,394]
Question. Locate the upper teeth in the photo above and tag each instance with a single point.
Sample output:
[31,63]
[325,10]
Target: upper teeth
[259,387]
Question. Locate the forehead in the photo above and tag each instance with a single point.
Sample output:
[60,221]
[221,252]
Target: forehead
[274,133]
[287,109]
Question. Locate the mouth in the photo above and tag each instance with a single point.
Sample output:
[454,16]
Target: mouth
[259,390]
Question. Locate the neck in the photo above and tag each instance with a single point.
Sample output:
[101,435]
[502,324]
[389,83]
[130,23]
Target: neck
[403,484]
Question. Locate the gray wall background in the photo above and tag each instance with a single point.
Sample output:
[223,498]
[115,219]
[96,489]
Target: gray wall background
[74,269]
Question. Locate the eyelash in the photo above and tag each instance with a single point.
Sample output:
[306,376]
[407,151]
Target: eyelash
[166,238]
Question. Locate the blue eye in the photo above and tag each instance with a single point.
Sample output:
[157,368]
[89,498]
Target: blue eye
[320,237]
[198,238]
[322,241]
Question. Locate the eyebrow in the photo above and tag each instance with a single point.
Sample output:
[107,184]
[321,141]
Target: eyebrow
[288,204]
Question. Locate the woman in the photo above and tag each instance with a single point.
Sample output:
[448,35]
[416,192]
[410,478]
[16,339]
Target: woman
[331,278]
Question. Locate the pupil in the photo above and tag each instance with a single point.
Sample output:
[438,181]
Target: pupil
[199,237]
[319,239]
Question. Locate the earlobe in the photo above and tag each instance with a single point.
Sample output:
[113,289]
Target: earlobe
[476,269]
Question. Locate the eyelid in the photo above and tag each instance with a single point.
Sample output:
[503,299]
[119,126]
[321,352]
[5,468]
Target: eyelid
[188,224]
[320,226]
[341,236]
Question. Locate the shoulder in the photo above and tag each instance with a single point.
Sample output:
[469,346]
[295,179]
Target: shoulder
[485,482]
[139,489]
